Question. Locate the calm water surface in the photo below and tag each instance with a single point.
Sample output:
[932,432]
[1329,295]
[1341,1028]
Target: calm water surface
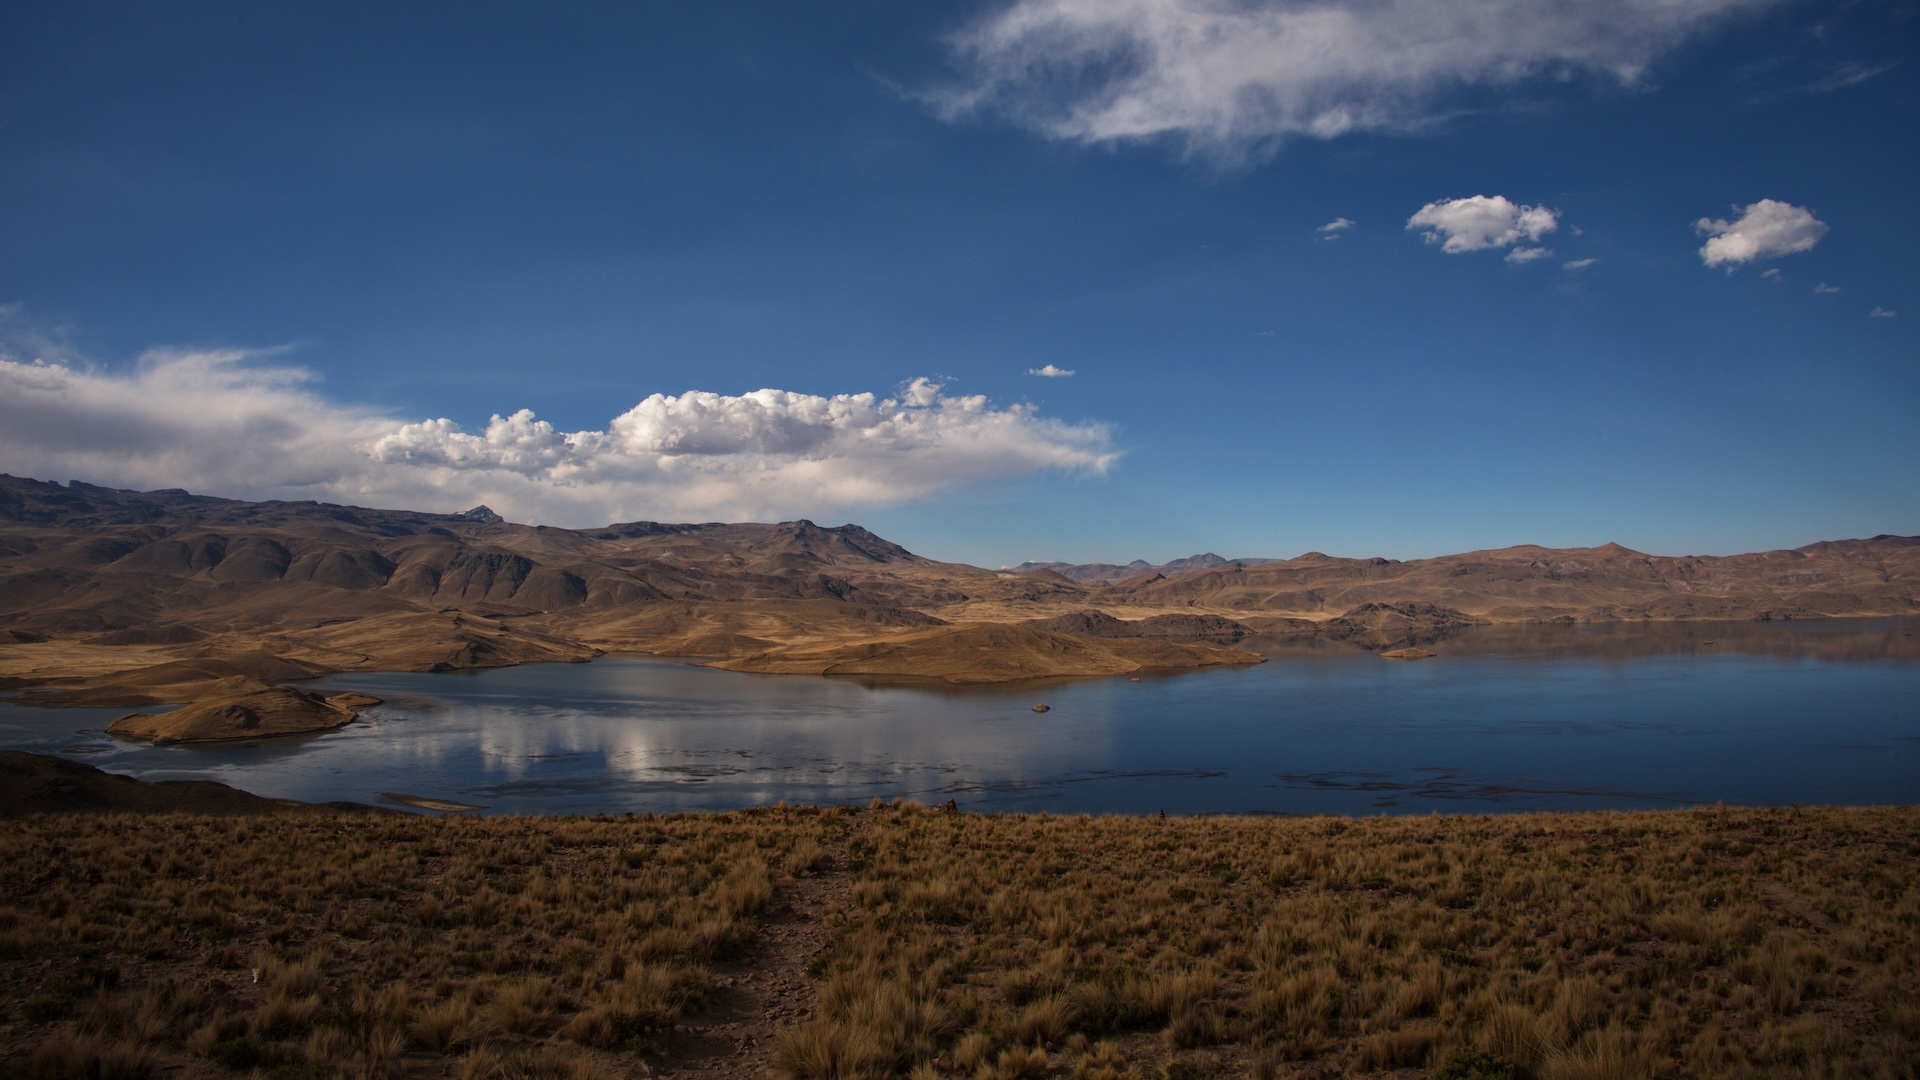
[1504,719]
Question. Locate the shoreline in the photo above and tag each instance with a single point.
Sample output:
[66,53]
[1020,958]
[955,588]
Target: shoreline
[93,680]
[82,780]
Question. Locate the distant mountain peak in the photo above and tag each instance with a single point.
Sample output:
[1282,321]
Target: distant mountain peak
[1113,573]
[483,514]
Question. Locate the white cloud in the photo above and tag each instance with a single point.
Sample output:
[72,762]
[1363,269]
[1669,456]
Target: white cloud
[1825,289]
[1051,372]
[1765,230]
[1881,313]
[1578,264]
[1528,254]
[1332,229]
[1481,222]
[227,423]
[1771,274]
[1229,79]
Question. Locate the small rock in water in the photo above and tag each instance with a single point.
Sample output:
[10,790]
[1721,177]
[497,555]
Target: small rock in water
[1041,708]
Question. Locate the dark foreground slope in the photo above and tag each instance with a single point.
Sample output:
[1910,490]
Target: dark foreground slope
[38,784]
[897,941]
[124,586]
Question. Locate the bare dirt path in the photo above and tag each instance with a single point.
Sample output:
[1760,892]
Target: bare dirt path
[765,990]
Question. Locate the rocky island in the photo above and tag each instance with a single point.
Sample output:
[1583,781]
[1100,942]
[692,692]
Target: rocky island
[244,708]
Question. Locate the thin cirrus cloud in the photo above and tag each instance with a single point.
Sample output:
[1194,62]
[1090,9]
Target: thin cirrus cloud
[1486,223]
[1849,75]
[1233,80]
[1332,229]
[226,423]
[1767,229]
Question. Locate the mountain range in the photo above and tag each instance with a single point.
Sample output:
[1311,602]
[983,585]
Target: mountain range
[98,586]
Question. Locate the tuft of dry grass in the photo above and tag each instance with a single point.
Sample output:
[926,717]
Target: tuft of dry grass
[805,857]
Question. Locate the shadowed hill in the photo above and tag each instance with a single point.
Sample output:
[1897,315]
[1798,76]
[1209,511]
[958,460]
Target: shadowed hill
[168,568]
[39,784]
[156,577]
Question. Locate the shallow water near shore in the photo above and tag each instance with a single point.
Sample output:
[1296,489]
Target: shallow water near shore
[1503,719]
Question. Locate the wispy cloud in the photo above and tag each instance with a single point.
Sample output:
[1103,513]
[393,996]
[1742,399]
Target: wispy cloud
[1849,75]
[234,424]
[1881,313]
[1528,254]
[1578,264]
[1332,229]
[1764,230]
[1232,79]
[1051,372]
[1824,289]
[1483,222]
[1772,274]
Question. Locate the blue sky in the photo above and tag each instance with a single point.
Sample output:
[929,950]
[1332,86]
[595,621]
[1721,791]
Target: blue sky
[274,252]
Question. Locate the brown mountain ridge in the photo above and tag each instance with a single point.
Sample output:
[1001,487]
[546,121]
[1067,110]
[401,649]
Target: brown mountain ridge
[104,594]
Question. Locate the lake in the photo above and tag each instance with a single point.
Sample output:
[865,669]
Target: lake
[1504,719]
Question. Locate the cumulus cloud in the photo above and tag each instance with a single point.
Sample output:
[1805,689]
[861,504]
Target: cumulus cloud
[1765,230]
[232,424]
[1483,222]
[1332,229]
[1051,372]
[1230,79]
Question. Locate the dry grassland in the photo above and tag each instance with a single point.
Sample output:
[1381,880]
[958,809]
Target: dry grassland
[324,945]
[1707,943]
